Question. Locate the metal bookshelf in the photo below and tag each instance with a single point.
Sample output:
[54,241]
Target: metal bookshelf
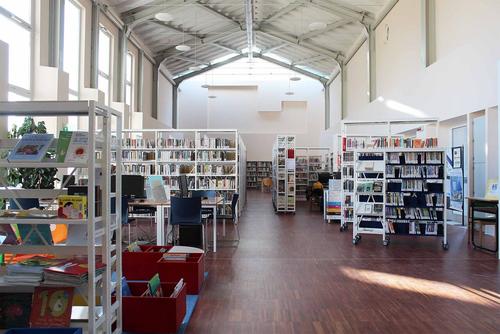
[104,313]
[284,174]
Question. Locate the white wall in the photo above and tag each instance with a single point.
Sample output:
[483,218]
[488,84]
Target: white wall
[462,80]
[243,103]
[165,97]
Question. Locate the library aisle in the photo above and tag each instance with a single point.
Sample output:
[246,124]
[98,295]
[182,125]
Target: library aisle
[296,274]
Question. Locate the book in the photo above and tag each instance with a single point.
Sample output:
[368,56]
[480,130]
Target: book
[72,206]
[73,272]
[15,309]
[154,287]
[175,256]
[31,147]
[78,147]
[7,235]
[51,307]
[35,234]
[177,288]
[63,145]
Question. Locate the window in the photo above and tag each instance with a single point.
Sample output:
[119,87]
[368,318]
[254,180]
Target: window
[15,30]
[129,83]
[72,46]
[104,65]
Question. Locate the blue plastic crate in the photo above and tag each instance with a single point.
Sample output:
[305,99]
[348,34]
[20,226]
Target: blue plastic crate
[44,331]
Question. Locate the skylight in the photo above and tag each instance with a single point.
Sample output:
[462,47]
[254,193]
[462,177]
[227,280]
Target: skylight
[313,71]
[278,58]
[223,58]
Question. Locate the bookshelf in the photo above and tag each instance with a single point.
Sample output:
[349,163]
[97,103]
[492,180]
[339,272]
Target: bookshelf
[284,174]
[95,231]
[415,192]
[309,161]
[256,172]
[211,159]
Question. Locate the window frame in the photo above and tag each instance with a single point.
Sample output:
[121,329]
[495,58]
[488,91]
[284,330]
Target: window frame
[130,83]
[100,73]
[81,9]
[28,94]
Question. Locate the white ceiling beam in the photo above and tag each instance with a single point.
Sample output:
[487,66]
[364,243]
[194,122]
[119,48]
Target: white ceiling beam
[293,40]
[249,27]
[180,30]
[342,12]
[191,60]
[224,47]
[309,60]
[219,13]
[274,48]
[283,11]
[329,27]
[139,15]
[292,67]
[180,79]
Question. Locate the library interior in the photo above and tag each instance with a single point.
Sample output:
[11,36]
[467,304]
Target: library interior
[249,166]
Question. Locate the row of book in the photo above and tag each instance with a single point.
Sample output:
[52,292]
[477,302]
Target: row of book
[216,183]
[176,156]
[348,171]
[370,208]
[414,228]
[138,155]
[208,142]
[348,185]
[415,199]
[370,186]
[139,169]
[413,213]
[432,171]
[353,143]
[216,169]
[175,169]
[171,142]
[138,143]
[216,156]
[403,185]
[404,158]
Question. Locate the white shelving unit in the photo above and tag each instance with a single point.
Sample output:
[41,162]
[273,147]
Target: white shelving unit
[106,317]
[284,174]
[369,199]
[211,159]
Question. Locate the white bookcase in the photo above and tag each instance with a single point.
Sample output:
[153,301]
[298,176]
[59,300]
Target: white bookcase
[211,159]
[106,316]
[284,174]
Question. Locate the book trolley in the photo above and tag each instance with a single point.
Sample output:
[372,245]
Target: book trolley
[284,174]
[369,199]
[101,293]
[400,192]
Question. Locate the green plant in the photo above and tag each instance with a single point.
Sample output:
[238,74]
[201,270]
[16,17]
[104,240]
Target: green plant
[32,178]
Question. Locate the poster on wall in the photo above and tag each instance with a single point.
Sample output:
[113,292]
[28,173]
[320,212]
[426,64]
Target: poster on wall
[456,190]
[457,157]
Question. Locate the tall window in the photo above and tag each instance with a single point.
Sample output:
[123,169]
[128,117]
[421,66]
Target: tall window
[104,66]
[129,83]
[72,46]
[15,30]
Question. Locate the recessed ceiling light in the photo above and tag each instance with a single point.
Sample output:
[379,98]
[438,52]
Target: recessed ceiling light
[194,68]
[289,93]
[212,96]
[183,47]
[204,86]
[295,79]
[317,26]
[165,17]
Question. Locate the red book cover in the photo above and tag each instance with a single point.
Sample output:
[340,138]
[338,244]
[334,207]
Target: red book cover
[291,153]
[344,144]
[51,307]
[74,267]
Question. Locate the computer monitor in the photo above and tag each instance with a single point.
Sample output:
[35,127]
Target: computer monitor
[133,186]
[183,186]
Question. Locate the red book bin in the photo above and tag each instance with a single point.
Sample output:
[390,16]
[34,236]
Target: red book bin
[141,266]
[192,271]
[153,314]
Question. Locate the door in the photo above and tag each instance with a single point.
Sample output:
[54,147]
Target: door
[479,156]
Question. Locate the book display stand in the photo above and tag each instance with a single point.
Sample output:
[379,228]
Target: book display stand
[284,174]
[99,228]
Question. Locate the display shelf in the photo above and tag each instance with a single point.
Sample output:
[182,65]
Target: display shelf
[283,194]
[106,226]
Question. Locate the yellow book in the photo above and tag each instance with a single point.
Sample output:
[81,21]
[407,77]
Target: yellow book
[72,207]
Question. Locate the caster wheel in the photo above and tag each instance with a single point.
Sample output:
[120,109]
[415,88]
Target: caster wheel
[446,246]
[342,228]
[355,241]
[386,242]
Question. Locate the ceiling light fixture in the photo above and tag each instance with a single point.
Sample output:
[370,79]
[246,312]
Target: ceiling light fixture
[212,96]
[295,78]
[205,86]
[194,68]
[317,26]
[183,47]
[289,93]
[164,17]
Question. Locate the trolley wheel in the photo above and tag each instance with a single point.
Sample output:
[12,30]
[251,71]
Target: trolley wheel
[446,246]
[386,242]
[356,239]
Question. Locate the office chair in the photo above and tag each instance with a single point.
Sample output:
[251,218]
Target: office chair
[234,217]
[186,212]
[205,212]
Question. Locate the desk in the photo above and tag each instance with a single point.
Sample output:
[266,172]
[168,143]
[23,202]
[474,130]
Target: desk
[161,206]
[487,206]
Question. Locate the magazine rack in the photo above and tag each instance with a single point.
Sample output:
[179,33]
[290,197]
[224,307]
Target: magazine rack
[99,121]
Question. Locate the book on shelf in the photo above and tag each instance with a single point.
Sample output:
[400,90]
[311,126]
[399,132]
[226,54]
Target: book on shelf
[62,145]
[31,147]
[72,272]
[177,288]
[77,150]
[72,206]
[28,271]
[51,307]
[175,256]
[154,287]
[15,309]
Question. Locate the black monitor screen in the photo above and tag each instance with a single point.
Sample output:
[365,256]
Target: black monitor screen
[132,186]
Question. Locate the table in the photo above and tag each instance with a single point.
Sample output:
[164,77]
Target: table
[483,205]
[161,206]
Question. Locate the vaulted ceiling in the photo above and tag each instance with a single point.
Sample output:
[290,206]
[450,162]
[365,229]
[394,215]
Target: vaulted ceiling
[275,29]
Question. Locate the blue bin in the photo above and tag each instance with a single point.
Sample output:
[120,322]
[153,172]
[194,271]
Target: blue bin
[44,331]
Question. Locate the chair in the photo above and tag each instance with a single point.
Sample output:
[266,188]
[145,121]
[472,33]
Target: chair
[267,184]
[234,217]
[205,212]
[186,212]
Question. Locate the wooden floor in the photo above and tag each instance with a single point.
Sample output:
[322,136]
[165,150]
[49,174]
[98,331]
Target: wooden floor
[296,274]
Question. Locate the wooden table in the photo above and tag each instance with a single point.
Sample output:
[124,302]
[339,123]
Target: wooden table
[162,206]
[487,206]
